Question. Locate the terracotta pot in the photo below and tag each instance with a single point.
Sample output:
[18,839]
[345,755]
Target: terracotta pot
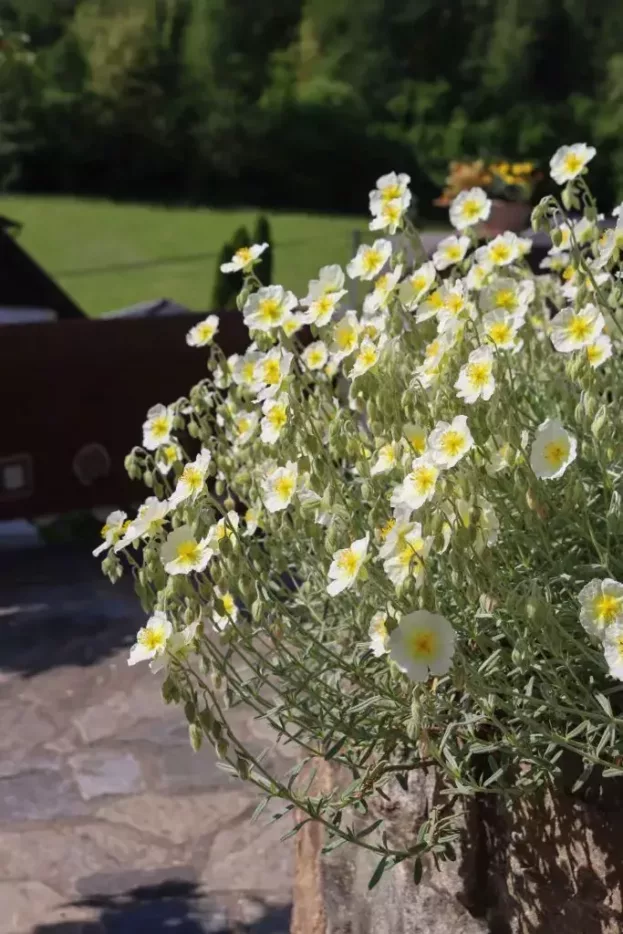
[506,215]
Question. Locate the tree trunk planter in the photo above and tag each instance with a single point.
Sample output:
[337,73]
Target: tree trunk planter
[506,215]
[548,866]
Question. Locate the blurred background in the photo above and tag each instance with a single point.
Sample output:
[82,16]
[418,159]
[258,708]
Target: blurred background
[292,106]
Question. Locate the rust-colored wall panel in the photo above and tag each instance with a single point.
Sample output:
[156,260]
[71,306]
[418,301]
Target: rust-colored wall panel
[74,383]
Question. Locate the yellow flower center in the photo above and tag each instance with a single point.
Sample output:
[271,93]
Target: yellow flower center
[391,211]
[606,608]
[390,192]
[573,163]
[423,645]
[188,552]
[424,479]
[193,477]
[453,253]
[170,454]
[346,337]
[471,209]
[270,311]
[205,331]
[436,299]
[379,628]
[579,328]
[418,283]
[315,357]
[411,552]
[151,639]
[417,439]
[367,357]
[284,487]
[478,374]
[500,252]
[348,561]
[594,353]
[452,443]
[272,372]
[386,529]
[248,371]
[325,304]
[243,425]
[244,254]
[371,260]
[500,332]
[381,283]
[568,273]
[455,304]
[506,299]
[277,416]
[160,427]
[228,603]
[556,453]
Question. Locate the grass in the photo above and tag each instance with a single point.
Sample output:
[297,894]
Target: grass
[108,255]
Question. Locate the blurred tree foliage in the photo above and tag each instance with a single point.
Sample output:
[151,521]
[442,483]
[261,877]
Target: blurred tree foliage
[299,103]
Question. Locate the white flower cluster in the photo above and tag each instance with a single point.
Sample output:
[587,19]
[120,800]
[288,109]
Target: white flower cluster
[388,507]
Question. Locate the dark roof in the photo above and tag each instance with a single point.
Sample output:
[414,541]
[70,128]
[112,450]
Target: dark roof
[24,284]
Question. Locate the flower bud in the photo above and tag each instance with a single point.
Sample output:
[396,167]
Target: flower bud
[599,422]
[195,734]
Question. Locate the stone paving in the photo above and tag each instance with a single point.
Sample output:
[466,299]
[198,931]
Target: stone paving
[109,823]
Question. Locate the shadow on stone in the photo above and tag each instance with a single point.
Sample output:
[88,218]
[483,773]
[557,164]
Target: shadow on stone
[173,905]
[56,608]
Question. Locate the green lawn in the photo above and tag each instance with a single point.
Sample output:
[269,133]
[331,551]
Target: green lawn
[108,255]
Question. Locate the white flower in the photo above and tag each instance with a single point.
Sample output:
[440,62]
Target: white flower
[191,479]
[613,651]
[151,640]
[422,644]
[182,553]
[244,257]
[503,249]
[112,530]
[322,309]
[601,604]
[179,645]
[448,443]
[389,187]
[505,294]
[226,528]
[379,637]
[157,427]
[268,308]
[279,486]
[599,351]
[167,456]
[245,424]
[476,377]
[501,328]
[367,356]
[383,288]
[391,214]
[243,368]
[479,273]
[275,418]
[270,371]
[418,486]
[569,161]
[315,355]
[553,449]
[454,306]
[469,208]
[230,610]
[369,260]
[387,457]
[346,565]
[571,329]
[449,251]
[203,333]
[149,521]
[405,551]
[330,281]
[413,289]
[345,336]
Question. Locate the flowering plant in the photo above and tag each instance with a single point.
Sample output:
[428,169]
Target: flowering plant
[398,543]
[508,181]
